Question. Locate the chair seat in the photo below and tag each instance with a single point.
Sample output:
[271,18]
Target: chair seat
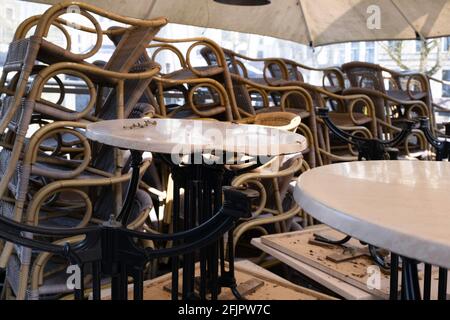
[403,95]
[299,112]
[343,119]
[184,74]
[185,112]
[54,169]
[273,82]
[55,284]
[49,53]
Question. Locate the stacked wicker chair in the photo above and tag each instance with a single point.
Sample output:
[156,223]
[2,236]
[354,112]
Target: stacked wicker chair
[253,96]
[286,73]
[221,88]
[436,108]
[275,211]
[54,176]
[203,91]
[332,77]
[406,97]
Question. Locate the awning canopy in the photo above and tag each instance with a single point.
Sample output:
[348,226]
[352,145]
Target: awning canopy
[310,22]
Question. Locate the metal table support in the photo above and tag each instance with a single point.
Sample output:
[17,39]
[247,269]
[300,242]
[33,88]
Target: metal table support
[112,251]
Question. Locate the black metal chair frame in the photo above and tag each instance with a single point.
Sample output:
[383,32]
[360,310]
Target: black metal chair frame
[442,146]
[376,149]
[111,248]
[368,149]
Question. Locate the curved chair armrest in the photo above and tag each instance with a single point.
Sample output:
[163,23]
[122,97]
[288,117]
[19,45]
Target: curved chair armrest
[198,41]
[406,103]
[442,146]
[289,88]
[259,221]
[40,196]
[294,168]
[236,205]
[92,69]
[32,152]
[338,72]
[54,11]
[26,25]
[194,84]
[440,108]
[159,47]
[41,261]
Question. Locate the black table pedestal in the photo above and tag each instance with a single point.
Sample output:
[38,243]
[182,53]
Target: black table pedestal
[410,289]
[202,197]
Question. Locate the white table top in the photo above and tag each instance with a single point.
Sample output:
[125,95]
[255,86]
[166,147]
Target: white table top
[334,284]
[173,136]
[402,206]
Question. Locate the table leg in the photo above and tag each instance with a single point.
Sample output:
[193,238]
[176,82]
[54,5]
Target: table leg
[393,294]
[176,212]
[136,160]
[231,278]
[202,185]
[427,282]
[410,280]
[442,286]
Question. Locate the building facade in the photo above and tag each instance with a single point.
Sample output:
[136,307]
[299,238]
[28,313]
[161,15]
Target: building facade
[12,12]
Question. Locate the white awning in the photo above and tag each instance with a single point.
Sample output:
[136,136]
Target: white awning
[311,22]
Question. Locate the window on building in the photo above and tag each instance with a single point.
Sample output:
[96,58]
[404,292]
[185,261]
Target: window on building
[445,87]
[418,45]
[2,58]
[8,34]
[355,51]
[10,13]
[260,54]
[370,52]
[394,44]
[340,54]
[168,67]
[226,36]
[243,37]
[446,44]
[329,55]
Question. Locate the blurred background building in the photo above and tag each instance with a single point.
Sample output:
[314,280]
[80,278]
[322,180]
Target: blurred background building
[431,57]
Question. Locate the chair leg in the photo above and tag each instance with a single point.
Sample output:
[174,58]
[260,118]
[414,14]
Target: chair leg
[6,293]
[23,281]
[6,254]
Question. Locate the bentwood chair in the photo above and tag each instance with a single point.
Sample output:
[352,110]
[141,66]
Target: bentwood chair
[404,98]
[252,96]
[274,211]
[47,276]
[352,113]
[69,192]
[437,109]
[288,70]
[118,104]
[396,88]
[26,52]
[273,208]
[45,173]
[289,122]
[278,73]
[284,72]
[191,91]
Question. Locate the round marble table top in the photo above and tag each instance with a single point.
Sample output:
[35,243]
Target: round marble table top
[402,206]
[182,136]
